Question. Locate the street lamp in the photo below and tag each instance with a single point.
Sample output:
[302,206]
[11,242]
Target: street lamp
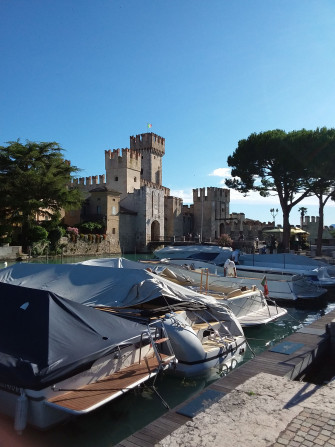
[274,213]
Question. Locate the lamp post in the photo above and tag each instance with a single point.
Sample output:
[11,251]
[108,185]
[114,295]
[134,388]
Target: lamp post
[274,213]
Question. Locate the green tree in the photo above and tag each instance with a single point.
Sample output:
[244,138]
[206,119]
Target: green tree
[319,159]
[272,163]
[34,179]
[54,237]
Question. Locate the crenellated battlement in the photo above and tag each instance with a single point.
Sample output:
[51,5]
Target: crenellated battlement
[89,181]
[176,200]
[311,219]
[156,186]
[148,141]
[124,152]
[122,158]
[211,193]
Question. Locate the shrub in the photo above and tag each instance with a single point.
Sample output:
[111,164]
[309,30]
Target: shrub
[225,240]
[37,233]
[91,227]
[55,236]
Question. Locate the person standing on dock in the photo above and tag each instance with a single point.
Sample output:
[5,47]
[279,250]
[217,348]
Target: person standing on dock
[229,268]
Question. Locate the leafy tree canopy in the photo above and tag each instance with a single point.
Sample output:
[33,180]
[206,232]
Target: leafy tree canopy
[287,164]
[319,159]
[34,179]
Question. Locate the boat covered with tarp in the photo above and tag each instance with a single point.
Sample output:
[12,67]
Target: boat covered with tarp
[51,346]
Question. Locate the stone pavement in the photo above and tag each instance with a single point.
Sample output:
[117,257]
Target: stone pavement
[310,428]
[264,411]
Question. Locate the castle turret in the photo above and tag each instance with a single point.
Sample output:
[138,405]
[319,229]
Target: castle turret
[123,170]
[152,148]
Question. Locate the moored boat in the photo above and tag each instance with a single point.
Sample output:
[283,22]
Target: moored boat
[248,304]
[60,359]
[143,296]
[305,283]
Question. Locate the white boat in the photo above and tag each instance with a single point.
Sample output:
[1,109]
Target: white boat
[292,286]
[208,253]
[286,260]
[60,359]
[317,272]
[285,288]
[207,335]
[248,304]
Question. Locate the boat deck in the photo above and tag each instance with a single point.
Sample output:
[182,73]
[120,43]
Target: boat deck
[92,396]
[306,345]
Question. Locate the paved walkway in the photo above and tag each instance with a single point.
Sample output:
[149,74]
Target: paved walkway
[265,411]
[310,428]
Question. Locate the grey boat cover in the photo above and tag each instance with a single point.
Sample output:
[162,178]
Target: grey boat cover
[45,338]
[98,285]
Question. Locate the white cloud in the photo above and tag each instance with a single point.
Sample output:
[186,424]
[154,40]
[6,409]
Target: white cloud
[221,172]
[185,194]
[253,197]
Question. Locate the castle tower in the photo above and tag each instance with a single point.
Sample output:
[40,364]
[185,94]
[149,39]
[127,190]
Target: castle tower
[151,148]
[123,170]
[211,208]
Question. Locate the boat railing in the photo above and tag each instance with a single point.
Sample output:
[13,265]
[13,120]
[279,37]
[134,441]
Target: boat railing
[157,337]
[215,331]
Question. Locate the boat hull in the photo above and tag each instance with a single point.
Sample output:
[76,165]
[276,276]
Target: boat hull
[41,413]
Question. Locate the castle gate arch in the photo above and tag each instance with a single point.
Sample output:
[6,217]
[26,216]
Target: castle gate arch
[155,231]
[222,229]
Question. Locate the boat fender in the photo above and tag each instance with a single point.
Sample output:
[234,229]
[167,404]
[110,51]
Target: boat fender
[233,363]
[21,413]
[224,369]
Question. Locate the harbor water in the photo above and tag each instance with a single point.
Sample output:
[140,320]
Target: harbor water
[135,409]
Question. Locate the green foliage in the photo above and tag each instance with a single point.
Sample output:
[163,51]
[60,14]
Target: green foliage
[40,248]
[37,233]
[91,227]
[55,236]
[34,179]
[293,165]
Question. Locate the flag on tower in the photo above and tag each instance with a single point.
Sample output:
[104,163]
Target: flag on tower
[149,126]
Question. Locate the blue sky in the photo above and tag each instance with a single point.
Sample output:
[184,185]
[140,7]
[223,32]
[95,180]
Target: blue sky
[205,73]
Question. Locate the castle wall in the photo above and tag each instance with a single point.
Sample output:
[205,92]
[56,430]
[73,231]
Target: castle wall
[87,248]
[128,233]
[311,224]
[188,220]
[211,208]
[173,217]
[148,224]
[113,218]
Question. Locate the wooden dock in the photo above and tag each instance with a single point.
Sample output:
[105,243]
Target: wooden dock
[289,358]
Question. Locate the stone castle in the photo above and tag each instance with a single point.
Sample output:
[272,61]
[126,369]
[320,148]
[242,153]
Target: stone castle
[138,212]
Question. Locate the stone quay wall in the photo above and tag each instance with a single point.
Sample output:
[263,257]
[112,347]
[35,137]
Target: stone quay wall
[81,247]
